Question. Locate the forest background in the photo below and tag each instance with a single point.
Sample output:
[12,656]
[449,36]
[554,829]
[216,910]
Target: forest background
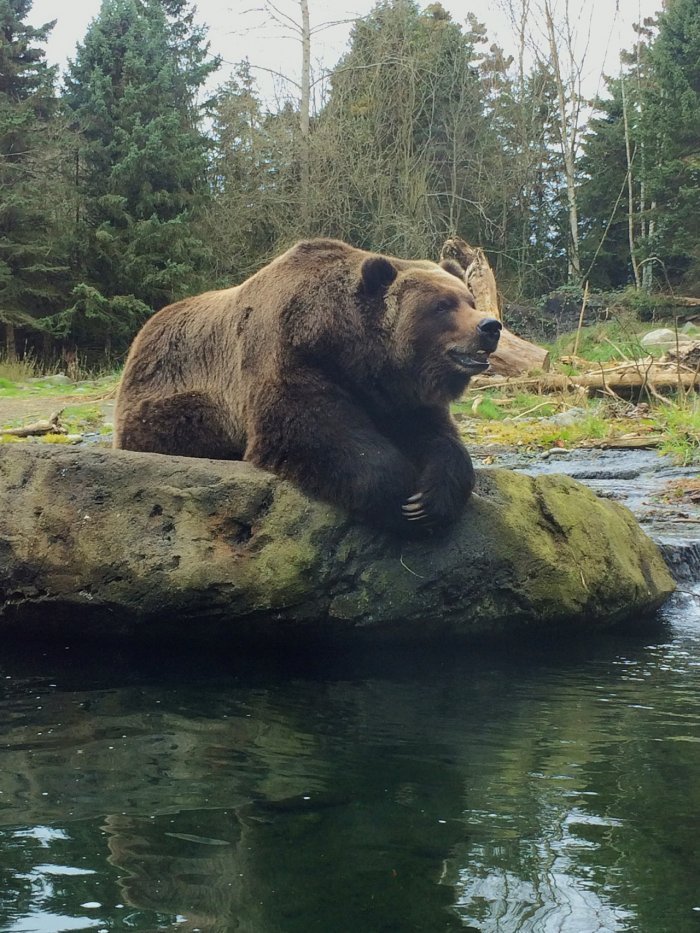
[128,184]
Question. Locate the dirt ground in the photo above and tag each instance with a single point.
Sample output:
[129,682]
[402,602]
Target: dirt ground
[37,407]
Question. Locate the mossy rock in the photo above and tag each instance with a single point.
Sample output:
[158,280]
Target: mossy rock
[121,544]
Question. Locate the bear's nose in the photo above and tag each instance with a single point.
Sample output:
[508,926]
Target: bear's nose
[489,330]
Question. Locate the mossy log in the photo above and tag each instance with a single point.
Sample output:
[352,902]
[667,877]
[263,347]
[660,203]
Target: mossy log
[120,544]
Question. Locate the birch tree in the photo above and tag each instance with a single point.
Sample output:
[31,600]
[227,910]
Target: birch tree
[302,86]
[566,62]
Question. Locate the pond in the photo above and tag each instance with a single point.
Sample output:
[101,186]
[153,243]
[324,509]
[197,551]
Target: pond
[528,788]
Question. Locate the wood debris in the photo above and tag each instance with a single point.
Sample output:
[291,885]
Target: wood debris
[687,354]
[626,442]
[52,425]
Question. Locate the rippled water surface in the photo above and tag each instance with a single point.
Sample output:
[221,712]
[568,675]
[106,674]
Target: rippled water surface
[523,789]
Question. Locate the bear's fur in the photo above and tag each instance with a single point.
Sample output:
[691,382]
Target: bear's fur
[332,367]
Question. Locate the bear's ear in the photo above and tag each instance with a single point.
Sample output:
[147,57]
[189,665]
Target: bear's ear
[377,274]
[453,267]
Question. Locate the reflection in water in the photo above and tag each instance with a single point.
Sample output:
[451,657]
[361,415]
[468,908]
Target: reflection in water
[553,791]
[553,891]
[166,871]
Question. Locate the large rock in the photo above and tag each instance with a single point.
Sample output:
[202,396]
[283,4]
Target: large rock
[116,543]
[663,337]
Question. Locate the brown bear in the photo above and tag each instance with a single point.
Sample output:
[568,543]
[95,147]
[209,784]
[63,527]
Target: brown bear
[331,366]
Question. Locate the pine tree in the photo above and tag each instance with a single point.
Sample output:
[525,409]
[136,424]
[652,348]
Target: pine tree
[143,161]
[672,131]
[603,195]
[29,264]
[245,219]
[522,180]
[620,155]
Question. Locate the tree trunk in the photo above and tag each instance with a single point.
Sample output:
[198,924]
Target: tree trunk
[514,355]
[10,342]
[305,113]
[647,271]
[630,186]
[567,130]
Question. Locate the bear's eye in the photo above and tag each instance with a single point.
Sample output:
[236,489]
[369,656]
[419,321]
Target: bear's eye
[444,306]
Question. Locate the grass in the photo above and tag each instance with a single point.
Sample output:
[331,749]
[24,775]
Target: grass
[23,380]
[85,418]
[10,389]
[14,371]
[617,339]
[527,420]
[491,405]
[590,421]
[44,387]
[28,369]
[78,419]
[680,425]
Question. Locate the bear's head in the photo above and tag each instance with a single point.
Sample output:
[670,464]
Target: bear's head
[436,338]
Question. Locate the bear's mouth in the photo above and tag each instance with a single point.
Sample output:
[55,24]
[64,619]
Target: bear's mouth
[471,363]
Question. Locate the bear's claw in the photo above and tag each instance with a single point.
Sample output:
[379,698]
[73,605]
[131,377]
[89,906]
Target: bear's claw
[414,508]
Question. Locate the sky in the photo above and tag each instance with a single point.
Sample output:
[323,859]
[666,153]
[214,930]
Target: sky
[241,29]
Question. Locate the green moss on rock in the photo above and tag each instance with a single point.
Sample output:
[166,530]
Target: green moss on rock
[203,549]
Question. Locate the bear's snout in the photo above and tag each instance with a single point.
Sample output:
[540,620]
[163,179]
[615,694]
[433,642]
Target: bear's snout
[489,330]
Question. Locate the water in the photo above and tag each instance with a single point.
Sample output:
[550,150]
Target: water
[520,789]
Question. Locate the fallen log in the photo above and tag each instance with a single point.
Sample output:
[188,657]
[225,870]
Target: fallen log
[638,442]
[114,543]
[682,302]
[625,376]
[49,425]
[514,355]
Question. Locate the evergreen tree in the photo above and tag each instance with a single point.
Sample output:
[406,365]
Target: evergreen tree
[620,154]
[245,221]
[29,264]
[672,132]
[527,171]
[543,209]
[142,173]
[603,195]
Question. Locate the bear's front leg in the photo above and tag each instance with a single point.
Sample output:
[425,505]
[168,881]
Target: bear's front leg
[446,477]
[318,437]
